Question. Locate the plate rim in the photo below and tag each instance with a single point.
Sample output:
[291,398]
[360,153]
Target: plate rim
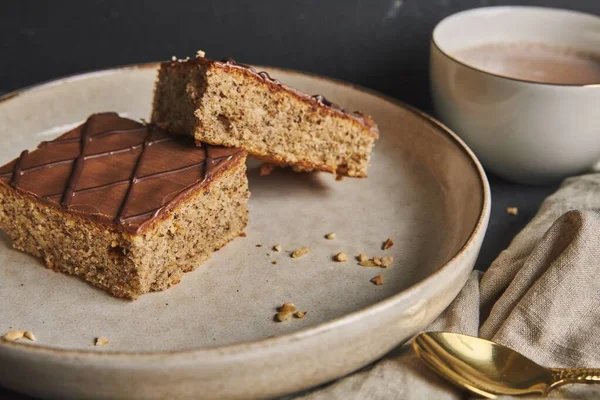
[304,333]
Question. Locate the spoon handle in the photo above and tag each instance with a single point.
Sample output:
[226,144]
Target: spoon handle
[563,376]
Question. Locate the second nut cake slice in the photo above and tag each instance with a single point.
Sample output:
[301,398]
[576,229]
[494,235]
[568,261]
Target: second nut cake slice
[125,206]
[230,104]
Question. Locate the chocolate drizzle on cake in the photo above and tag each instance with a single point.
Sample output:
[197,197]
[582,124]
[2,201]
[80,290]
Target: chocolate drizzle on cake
[115,140]
[231,61]
[18,169]
[134,177]
[323,100]
[263,74]
[78,164]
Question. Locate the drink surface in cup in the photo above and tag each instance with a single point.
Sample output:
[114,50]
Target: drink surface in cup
[534,62]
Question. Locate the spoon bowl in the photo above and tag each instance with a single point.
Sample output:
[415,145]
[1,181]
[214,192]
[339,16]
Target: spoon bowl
[489,369]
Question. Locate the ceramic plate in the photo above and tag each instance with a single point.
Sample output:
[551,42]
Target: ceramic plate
[214,335]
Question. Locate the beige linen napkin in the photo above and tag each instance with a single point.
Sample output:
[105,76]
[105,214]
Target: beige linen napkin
[541,297]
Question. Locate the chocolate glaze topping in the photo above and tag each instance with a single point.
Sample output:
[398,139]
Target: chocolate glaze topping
[317,98]
[116,170]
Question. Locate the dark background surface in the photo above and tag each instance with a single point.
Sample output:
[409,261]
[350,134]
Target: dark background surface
[380,44]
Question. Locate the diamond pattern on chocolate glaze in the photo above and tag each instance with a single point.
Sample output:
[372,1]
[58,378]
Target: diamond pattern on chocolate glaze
[116,170]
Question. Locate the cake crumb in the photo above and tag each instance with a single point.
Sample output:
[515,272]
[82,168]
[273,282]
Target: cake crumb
[259,245]
[512,210]
[243,234]
[13,335]
[387,261]
[330,236]
[367,263]
[101,341]
[387,244]
[300,314]
[277,247]
[283,315]
[339,177]
[341,257]
[274,262]
[377,280]
[375,261]
[300,252]
[29,335]
[200,54]
[266,169]
[287,307]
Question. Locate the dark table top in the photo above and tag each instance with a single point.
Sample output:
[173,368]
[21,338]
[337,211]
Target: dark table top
[380,44]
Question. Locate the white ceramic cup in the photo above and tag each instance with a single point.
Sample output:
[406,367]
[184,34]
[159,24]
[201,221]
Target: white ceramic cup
[521,130]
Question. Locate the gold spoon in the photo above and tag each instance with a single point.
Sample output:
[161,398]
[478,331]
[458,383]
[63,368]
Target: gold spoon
[489,369]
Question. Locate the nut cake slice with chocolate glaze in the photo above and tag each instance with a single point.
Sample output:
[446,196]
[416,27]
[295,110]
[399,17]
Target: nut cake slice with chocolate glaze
[231,104]
[125,206]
